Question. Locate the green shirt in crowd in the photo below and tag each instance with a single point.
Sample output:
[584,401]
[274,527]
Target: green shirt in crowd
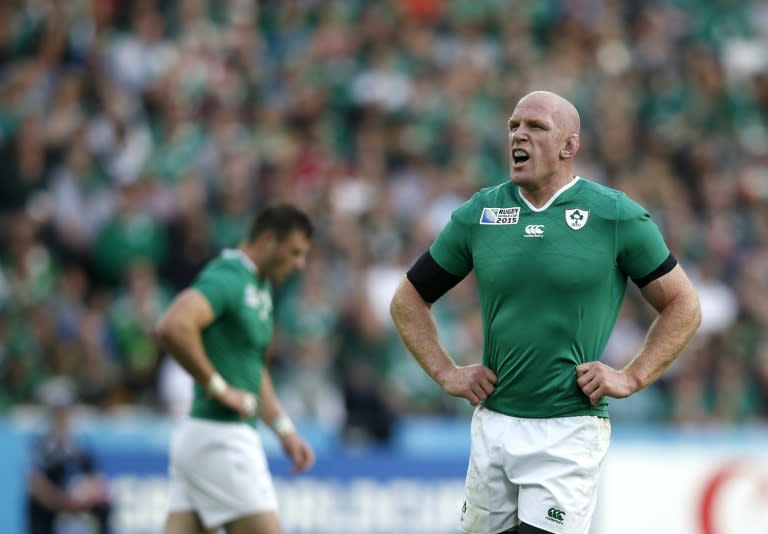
[551,282]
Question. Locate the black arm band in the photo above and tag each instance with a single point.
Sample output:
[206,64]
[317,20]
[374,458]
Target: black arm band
[431,280]
[666,266]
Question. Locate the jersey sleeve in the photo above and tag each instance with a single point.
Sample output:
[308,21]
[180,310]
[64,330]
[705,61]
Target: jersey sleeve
[641,247]
[219,286]
[451,249]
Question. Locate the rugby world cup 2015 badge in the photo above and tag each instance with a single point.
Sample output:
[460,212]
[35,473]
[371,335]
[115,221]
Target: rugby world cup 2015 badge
[576,218]
[500,216]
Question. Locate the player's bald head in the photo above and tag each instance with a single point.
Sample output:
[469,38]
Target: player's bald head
[563,111]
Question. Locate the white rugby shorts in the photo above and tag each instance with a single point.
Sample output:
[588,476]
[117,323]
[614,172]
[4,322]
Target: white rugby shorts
[220,471]
[543,472]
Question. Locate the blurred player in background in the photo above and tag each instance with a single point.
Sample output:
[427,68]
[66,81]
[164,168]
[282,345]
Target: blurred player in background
[218,330]
[66,491]
[551,253]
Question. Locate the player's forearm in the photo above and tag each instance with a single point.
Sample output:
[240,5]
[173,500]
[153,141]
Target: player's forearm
[270,410]
[184,342]
[269,407]
[667,337]
[418,330]
[51,496]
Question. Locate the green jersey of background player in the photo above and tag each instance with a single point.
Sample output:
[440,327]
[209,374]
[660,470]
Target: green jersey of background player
[219,330]
[551,253]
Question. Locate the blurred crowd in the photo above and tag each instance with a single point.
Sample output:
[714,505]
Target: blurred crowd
[137,139]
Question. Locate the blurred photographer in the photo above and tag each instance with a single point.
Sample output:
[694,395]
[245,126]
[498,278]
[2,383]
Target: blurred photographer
[66,492]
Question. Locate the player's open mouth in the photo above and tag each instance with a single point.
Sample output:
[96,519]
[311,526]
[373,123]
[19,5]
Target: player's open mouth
[519,156]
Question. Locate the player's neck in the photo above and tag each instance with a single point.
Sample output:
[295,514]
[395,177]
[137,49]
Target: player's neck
[250,257]
[538,196]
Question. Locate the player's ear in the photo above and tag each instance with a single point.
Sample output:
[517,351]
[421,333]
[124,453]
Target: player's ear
[273,240]
[268,241]
[570,147]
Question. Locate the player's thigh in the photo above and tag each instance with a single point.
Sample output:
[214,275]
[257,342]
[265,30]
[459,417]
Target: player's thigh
[261,523]
[561,491]
[224,472]
[186,522]
[490,505]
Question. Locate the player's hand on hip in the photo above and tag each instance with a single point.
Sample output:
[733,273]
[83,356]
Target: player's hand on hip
[598,380]
[299,451]
[473,382]
[239,400]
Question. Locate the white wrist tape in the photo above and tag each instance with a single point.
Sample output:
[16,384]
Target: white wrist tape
[283,425]
[216,386]
[251,405]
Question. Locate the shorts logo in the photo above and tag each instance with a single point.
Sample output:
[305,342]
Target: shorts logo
[556,516]
[534,230]
[576,218]
[500,216]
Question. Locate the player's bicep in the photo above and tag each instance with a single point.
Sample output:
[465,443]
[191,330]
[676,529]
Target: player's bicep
[665,289]
[451,252]
[642,253]
[190,306]
[429,279]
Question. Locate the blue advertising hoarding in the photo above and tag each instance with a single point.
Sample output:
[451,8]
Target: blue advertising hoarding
[410,486]
[415,485]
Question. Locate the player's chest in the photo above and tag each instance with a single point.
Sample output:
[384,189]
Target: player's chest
[559,247]
[254,314]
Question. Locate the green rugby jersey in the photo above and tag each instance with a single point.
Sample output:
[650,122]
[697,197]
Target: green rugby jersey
[551,282]
[242,329]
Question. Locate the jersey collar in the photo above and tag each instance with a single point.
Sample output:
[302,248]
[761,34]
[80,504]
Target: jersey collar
[551,200]
[236,253]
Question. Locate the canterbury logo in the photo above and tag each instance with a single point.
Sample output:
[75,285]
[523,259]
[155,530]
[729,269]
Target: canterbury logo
[534,230]
[558,516]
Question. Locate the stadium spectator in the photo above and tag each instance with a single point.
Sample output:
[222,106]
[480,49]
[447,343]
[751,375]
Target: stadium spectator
[66,491]
[205,101]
